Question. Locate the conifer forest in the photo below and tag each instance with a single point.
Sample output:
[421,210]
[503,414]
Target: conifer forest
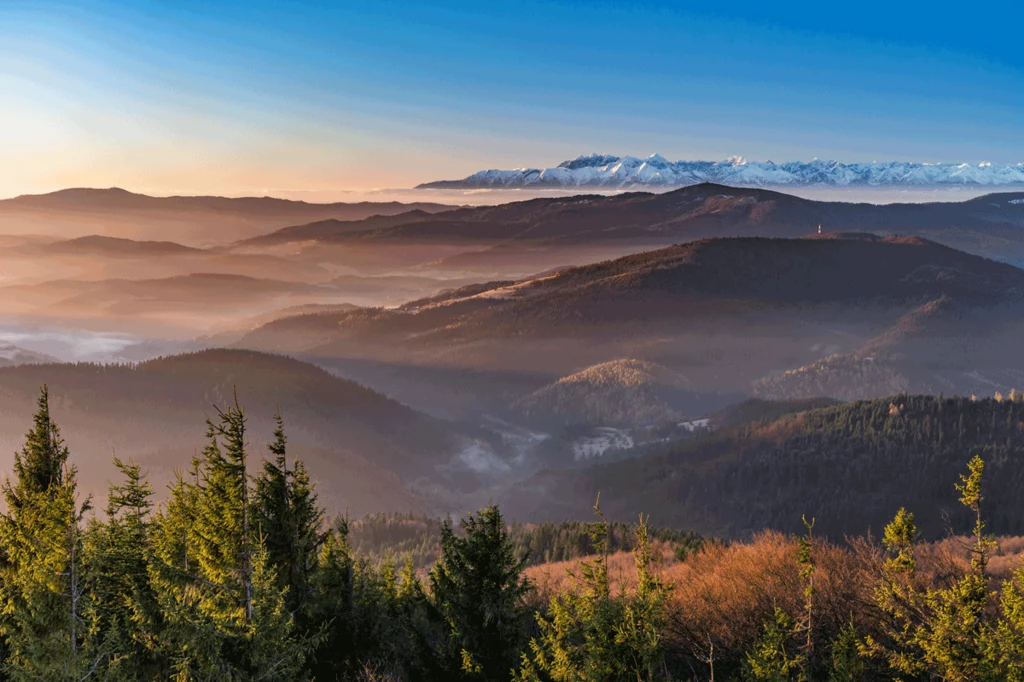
[239,575]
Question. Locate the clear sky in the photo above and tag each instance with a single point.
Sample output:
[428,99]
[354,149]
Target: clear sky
[284,97]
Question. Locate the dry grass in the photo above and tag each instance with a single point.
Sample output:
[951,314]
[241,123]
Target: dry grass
[721,596]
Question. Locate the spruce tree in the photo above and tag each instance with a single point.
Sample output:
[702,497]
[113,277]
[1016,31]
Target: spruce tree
[225,610]
[479,589]
[807,559]
[940,632]
[847,663]
[954,636]
[900,600]
[1005,647]
[124,608]
[273,652]
[333,585]
[42,590]
[773,658]
[589,634]
[288,517]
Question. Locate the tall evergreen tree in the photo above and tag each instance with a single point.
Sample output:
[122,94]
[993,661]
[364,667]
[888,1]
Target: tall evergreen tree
[639,634]
[773,658]
[42,589]
[290,521]
[901,601]
[954,634]
[479,588]
[125,612]
[226,615]
[940,632]
[333,585]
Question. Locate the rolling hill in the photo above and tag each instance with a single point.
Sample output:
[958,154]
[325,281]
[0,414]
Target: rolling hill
[11,355]
[368,452]
[989,225]
[97,245]
[176,305]
[623,392]
[709,280]
[943,346]
[115,212]
[731,315]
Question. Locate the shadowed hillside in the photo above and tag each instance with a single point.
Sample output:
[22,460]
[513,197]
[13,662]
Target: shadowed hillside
[365,447]
[850,467]
[725,313]
[618,393]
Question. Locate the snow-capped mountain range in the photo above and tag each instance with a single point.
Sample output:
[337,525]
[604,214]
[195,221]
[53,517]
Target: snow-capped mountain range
[602,170]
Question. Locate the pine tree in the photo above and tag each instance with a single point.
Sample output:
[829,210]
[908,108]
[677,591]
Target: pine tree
[847,664]
[588,634]
[639,634]
[941,632]
[953,637]
[225,610]
[288,517]
[42,591]
[124,608]
[479,588]
[772,659]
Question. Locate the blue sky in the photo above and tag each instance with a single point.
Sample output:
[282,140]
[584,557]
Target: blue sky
[285,97]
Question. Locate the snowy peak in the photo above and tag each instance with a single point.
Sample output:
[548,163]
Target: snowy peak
[589,161]
[609,171]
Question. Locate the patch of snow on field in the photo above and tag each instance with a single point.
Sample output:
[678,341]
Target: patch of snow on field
[480,458]
[603,439]
[695,425]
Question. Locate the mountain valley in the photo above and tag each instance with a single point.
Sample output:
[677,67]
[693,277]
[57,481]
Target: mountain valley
[431,359]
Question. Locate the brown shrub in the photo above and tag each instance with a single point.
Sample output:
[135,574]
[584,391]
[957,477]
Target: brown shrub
[722,595]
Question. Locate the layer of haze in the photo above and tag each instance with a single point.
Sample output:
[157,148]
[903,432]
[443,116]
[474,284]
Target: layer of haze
[328,101]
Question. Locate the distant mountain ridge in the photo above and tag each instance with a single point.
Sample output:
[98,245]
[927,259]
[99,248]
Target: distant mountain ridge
[115,198]
[189,220]
[609,171]
[988,225]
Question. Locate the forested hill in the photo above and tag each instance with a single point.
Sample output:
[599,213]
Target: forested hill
[359,442]
[851,467]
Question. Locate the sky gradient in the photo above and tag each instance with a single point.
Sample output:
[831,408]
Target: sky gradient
[330,99]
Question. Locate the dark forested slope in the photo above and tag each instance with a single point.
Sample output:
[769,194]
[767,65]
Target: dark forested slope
[850,466]
[363,445]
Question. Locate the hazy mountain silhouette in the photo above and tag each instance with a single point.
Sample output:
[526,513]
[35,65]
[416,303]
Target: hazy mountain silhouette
[724,312]
[988,225]
[204,219]
[364,448]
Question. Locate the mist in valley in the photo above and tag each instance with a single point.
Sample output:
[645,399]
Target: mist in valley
[532,339]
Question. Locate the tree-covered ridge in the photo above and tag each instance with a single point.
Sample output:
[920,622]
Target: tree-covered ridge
[401,537]
[851,466]
[235,577]
[623,392]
